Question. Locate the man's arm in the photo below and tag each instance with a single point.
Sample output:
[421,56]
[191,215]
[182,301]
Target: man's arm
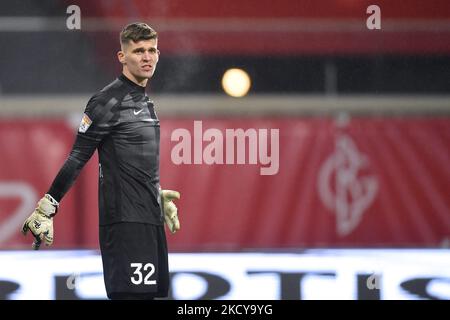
[40,223]
[94,127]
[82,151]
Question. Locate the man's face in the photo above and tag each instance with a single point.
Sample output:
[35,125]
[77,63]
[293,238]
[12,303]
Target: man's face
[139,59]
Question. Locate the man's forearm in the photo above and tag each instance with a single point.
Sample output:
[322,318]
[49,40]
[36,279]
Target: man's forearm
[65,178]
[80,154]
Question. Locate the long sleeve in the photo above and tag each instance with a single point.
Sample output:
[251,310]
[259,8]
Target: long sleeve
[94,127]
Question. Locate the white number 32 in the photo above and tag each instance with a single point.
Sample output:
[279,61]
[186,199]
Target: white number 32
[137,279]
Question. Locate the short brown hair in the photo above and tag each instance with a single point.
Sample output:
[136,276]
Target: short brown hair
[136,32]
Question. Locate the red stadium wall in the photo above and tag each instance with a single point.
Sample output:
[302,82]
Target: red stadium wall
[338,9]
[365,183]
[284,27]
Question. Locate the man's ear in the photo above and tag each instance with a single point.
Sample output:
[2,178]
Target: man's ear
[121,56]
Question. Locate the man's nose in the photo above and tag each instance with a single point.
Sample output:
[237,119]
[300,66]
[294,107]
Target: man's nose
[147,56]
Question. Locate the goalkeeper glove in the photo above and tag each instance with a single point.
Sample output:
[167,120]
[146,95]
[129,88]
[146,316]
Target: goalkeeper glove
[40,222]
[170,210]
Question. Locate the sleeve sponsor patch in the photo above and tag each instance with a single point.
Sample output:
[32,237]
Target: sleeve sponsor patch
[85,124]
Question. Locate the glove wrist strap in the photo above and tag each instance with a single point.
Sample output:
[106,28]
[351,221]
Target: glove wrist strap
[53,209]
[52,200]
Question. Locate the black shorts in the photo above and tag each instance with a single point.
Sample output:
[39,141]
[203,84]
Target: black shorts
[135,260]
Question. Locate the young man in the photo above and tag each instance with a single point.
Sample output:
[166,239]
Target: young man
[120,121]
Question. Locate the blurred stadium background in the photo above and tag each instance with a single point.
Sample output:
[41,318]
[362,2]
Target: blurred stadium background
[360,206]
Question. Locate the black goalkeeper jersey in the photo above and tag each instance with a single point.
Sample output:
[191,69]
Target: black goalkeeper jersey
[119,121]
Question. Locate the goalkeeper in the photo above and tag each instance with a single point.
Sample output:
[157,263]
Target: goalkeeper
[121,123]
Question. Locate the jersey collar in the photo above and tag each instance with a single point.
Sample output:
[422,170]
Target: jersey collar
[131,83]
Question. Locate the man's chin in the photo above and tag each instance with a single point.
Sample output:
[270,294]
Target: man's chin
[147,76]
[144,76]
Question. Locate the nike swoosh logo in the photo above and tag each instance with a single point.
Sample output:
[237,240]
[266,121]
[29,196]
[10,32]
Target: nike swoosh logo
[136,113]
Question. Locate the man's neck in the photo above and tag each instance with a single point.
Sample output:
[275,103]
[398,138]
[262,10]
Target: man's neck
[140,82]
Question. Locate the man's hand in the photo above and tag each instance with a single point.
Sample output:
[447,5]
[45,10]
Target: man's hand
[40,223]
[170,210]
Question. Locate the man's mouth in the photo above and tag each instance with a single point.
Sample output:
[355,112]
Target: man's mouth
[147,67]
